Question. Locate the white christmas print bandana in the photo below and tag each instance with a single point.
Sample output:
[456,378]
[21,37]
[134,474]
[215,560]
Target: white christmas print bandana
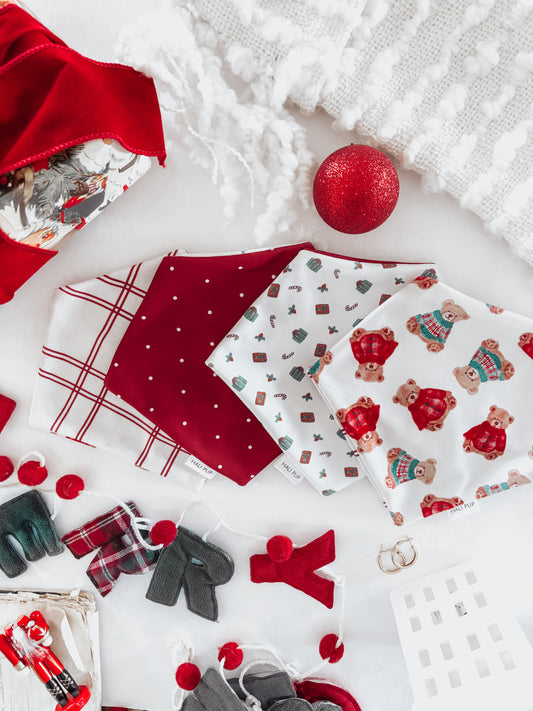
[430,388]
[266,356]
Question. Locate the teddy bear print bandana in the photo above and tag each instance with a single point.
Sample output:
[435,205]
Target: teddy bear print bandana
[430,389]
[265,357]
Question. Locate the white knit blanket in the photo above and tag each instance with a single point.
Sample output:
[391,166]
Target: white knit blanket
[445,86]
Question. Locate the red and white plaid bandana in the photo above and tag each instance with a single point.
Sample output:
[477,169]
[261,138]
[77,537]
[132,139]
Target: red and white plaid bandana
[71,399]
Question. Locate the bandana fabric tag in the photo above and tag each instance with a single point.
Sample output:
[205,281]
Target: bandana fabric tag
[196,465]
[288,470]
[464,510]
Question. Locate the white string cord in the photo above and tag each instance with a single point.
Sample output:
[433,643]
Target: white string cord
[136,523]
[30,456]
[218,522]
[180,653]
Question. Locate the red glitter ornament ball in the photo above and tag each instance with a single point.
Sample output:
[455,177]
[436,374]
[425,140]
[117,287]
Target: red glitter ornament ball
[355,189]
[6,468]
[232,655]
[32,473]
[69,486]
[188,676]
[163,532]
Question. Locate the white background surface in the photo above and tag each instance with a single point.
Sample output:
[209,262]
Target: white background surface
[178,207]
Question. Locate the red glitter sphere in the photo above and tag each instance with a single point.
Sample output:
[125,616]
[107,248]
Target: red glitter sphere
[355,189]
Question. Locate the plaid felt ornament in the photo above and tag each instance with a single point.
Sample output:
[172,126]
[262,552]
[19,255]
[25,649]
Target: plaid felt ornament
[26,518]
[119,549]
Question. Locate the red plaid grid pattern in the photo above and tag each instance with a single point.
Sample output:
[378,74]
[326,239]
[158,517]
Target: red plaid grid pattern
[88,322]
[119,549]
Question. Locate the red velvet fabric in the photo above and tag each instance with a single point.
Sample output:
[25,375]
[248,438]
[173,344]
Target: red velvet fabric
[314,691]
[7,405]
[19,31]
[18,262]
[53,98]
[299,570]
[159,367]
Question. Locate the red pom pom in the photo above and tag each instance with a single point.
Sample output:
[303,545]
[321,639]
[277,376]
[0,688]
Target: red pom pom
[330,649]
[355,189]
[279,548]
[32,473]
[188,676]
[163,532]
[69,486]
[6,468]
[232,655]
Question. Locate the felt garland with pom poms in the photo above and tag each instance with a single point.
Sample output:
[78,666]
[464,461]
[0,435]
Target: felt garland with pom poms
[256,689]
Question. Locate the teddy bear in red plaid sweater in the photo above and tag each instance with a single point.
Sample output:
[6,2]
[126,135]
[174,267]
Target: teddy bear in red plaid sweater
[429,407]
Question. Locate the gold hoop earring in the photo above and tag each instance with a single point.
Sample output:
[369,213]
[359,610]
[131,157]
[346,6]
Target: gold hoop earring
[397,552]
[380,562]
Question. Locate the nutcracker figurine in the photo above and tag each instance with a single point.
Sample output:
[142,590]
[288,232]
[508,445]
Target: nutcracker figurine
[25,643]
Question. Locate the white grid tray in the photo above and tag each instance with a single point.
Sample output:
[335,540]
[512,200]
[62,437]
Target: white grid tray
[462,651]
